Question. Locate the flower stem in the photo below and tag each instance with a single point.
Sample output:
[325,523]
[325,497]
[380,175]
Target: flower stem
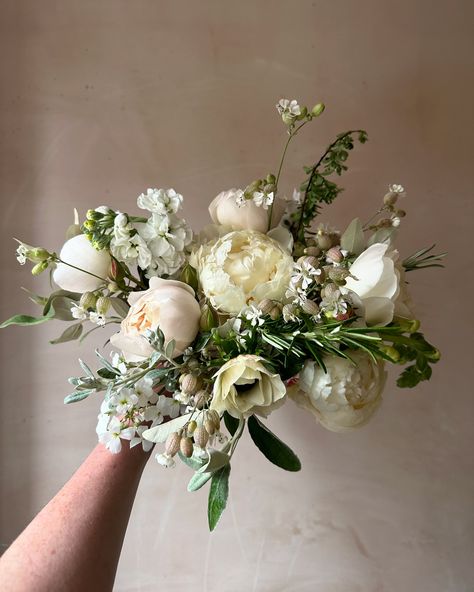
[58,259]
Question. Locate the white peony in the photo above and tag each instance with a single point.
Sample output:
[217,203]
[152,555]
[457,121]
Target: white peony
[376,283]
[243,386]
[227,209]
[346,396]
[167,304]
[242,268]
[79,252]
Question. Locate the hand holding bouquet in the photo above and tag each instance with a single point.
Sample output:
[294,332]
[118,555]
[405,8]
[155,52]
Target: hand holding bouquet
[213,332]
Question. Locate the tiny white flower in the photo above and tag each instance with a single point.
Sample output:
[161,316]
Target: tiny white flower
[297,196]
[262,199]
[111,438]
[21,254]
[97,319]
[396,188]
[118,361]
[240,198]
[285,106]
[165,460]
[138,439]
[126,401]
[254,315]
[78,312]
[396,221]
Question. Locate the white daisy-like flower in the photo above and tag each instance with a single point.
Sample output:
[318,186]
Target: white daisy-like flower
[165,461]
[111,438]
[262,199]
[254,315]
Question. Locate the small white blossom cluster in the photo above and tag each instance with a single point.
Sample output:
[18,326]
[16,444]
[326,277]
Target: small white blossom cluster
[157,246]
[261,199]
[303,276]
[285,107]
[82,314]
[122,415]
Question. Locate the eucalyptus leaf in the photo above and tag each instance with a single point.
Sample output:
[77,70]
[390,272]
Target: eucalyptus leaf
[383,235]
[272,447]
[160,432]
[70,334]
[218,494]
[198,480]
[353,239]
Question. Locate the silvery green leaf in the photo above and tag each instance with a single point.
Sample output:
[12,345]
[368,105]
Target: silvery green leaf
[120,306]
[77,396]
[218,495]
[353,239]
[157,374]
[106,363]
[70,334]
[192,462]
[160,432]
[383,235]
[36,298]
[25,320]
[170,348]
[198,480]
[86,369]
[217,460]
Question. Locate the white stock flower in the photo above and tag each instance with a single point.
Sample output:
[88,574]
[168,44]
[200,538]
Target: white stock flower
[346,396]
[228,209]
[242,268]
[244,386]
[79,252]
[167,304]
[376,283]
[138,439]
[160,201]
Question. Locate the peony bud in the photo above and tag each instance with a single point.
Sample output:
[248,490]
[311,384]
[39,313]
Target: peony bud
[172,444]
[186,447]
[201,436]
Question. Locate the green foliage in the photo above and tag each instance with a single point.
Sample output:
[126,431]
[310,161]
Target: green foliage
[231,423]
[272,447]
[70,334]
[353,239]
[415,349]
[218,495]
[27,320]
[422,259]
[318,188]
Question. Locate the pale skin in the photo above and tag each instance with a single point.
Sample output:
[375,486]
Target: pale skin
[74,543]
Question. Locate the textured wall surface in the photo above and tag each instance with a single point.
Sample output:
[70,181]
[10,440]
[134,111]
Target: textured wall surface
[101,100]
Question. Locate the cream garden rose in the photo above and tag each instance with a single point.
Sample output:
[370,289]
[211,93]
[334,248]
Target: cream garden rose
[167,304]
[79,252]
[344,397]
[242,268]
[225,210]
[244,386]
[376,281]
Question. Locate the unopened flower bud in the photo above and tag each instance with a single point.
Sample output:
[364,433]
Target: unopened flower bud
[298,249]
[324,241]
[400,213]
[391,352]
[201,398]
[309,260]
[172,444]
[208,318]
[275,312]
[407,325]
[310,307]
[313,251]
[266,305]
[390,198]
[39,254]
[329,290]
[88,300]
[192,425]
[201,436]
[89,225]
[189,383]
[189,276]
[213,415]
[303,114]
[318,109]
[338,275]
[210,427]
[113,287]
[39,268]
[186,447]
[102,305]
[271,179]
[288,118]
[334,254]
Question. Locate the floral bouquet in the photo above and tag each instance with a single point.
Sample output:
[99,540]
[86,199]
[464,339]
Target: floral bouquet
[219,329]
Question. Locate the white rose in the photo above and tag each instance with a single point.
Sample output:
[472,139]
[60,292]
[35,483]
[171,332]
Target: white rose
[242,268]
[79,252]
[376,284]
[225,210]
[346,396]
[243,386]
[167,304]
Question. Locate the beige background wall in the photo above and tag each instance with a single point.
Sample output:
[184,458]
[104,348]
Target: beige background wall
[101,100]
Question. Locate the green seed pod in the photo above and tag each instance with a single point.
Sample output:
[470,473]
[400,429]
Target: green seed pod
[88,300]
[102,305]
[39,268]
[318,109]
[192,425]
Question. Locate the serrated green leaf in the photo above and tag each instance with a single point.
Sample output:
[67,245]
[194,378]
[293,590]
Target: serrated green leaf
[272,447]
[218,494]
[70,334]
[78,396]
[353,239]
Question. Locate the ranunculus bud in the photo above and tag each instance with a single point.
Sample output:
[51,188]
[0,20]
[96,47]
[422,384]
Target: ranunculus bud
[88,300]
[201,436]
[172,444]
[310,307]
[186,447]
[334,254]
